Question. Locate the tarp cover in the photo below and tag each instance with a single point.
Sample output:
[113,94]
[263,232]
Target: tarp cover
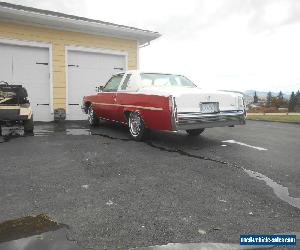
[12,94]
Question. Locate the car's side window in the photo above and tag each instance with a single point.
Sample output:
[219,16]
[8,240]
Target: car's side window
[126,81]
[113,84]
[133,84]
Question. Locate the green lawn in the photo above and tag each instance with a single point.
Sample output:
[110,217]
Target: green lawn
[275,118]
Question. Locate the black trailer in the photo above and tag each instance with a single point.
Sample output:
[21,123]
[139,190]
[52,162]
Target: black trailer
[15,107]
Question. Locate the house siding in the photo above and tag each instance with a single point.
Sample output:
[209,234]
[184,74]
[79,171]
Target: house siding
[59,39]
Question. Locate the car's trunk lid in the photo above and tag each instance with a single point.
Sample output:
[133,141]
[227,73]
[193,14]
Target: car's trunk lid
[189,99]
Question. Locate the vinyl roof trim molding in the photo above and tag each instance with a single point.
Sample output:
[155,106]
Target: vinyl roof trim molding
[38,17]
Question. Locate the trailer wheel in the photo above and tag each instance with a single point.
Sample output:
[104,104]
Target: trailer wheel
[28,125]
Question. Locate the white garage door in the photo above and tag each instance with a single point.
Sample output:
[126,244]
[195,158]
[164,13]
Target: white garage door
[86,71]
[28,66]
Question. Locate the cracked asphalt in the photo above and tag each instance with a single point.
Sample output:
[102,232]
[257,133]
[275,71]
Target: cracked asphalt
[115,193]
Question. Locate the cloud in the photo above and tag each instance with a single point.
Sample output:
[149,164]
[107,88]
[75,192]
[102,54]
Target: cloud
[262,16]
[72,7]
[234,44]
[176,18]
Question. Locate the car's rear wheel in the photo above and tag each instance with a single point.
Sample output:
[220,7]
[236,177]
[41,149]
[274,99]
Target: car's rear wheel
[92,117]
[136,126]
[28,125]
[195,132]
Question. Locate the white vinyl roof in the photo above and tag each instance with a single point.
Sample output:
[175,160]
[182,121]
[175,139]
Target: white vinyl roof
[61,21]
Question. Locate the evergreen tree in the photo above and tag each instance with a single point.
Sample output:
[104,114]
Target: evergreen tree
[292,102]
[269,99]
[255,98]
[279,100]
[297,96]
[297,101]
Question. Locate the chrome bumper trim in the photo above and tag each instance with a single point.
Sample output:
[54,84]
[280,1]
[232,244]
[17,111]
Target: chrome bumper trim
[192,120]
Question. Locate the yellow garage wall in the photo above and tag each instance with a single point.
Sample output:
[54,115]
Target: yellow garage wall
[59,39]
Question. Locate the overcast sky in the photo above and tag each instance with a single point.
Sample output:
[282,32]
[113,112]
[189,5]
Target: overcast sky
[227,44]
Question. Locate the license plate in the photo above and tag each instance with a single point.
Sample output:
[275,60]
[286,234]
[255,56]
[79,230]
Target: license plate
[209,107]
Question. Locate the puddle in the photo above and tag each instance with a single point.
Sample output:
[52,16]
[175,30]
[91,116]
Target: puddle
[35,233]
[44,130]
[78,131]
[280,191]
[70,131]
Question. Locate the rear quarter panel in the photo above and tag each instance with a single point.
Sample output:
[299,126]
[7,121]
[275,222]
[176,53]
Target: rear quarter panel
[154,109]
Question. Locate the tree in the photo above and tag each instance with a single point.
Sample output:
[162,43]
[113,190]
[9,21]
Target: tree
[280,95]
[255,98]
[275,102]
[280,100]
[297,102]
[269,99]
[297,96]
[292,102]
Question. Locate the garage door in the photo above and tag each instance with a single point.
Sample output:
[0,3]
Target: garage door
[86,71]
[28,66]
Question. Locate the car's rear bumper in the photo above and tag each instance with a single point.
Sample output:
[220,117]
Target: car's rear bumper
[192,120]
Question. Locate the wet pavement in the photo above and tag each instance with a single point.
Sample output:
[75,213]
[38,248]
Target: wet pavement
[280,191]
[35,233]
[171,191]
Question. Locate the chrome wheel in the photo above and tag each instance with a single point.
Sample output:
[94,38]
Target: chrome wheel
[92,117]
[136,126]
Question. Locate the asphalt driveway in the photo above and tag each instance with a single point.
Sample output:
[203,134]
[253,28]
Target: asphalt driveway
[113,192]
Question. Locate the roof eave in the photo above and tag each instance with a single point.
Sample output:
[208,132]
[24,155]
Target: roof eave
[61,23]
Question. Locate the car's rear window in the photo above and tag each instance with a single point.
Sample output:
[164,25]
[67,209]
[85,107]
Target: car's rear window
[165,80]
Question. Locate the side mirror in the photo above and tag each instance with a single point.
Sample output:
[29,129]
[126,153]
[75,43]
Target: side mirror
[99,88]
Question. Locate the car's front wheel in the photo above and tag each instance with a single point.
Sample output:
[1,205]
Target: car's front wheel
[195,132]
[92,117]
[136,126]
